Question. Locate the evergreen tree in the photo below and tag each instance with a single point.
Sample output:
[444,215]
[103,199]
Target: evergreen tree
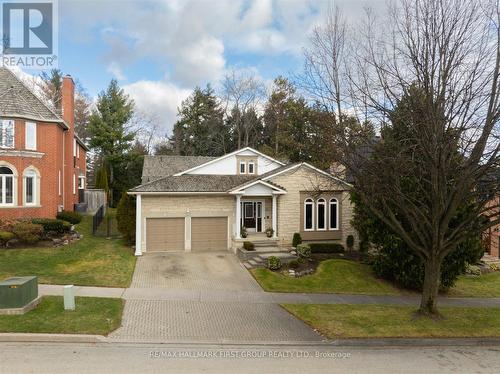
[125,216]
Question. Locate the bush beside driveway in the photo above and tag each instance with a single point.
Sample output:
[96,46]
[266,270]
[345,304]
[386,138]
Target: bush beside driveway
[91,261]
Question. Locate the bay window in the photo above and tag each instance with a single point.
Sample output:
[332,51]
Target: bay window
[6,186]
[30,187]
[321,210]
[334,214]
[30,140]
[308,215]
[6,133]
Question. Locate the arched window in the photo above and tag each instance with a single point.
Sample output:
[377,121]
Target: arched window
[334,214]
[6,186]
[321,210]
[308,214]
[30,187]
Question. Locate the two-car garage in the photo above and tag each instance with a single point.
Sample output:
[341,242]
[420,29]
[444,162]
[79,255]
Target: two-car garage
[169,234]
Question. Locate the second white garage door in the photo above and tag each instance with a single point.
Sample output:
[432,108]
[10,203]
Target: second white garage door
[208,234]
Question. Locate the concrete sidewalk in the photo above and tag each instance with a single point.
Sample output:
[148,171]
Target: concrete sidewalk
[258,297]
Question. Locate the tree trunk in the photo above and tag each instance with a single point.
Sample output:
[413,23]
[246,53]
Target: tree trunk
[431,288]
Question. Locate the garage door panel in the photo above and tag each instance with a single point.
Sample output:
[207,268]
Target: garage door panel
[208,234]
[164,234]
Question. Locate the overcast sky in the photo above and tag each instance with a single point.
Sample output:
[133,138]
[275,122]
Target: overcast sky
[160,50]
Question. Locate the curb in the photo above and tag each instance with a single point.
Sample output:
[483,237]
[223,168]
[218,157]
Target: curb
[354,343]
[50,338]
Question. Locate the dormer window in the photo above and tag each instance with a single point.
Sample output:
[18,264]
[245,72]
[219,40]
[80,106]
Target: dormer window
[251,168]
[7,133]
[243,167]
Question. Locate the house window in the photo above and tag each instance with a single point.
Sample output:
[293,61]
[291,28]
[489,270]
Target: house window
[242,167]
[6,186]
[74,147]
[30,187]
[74,184]
[308,215]
[7,134]
[77,151]
[81,182]
[334,214]
[321,210]
[251,166]
[30,138]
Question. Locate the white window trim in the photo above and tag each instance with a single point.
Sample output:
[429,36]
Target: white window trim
[253,167]
[81,178]
[26,132]
[3,191]
[77,150]
[36,185]
[74,147]
[318,203]
[244,167]
[330,203]
[306,202]
[74,184]
[2,145]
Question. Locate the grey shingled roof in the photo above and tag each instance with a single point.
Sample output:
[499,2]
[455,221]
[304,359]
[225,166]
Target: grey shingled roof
[156,167]
[16,100]
[194,183]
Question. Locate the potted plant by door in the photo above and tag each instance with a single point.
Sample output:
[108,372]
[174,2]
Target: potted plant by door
[269,232]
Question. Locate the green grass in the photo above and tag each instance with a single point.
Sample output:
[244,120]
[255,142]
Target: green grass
[93,315]
[381,321]
[109,219]
[487,285]
[91,261]
[332,276]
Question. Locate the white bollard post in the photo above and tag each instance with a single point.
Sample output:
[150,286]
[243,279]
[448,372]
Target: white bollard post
[69,298]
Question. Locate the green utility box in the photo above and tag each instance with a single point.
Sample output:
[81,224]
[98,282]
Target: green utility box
[17,292]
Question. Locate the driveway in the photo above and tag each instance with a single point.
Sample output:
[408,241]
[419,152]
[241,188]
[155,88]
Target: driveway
[151,318]
[193,271]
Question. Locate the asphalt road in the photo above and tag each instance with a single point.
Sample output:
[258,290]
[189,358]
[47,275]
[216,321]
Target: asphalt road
[135,358]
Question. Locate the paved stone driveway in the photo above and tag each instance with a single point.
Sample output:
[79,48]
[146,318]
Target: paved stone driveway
[155,319]
[192,271]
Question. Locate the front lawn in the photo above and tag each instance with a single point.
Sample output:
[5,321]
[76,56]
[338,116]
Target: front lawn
[93,315]
[332,276]
[486,285]
[382,321]
[91,261]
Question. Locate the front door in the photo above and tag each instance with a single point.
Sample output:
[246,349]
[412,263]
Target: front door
[252,215]
[249,216]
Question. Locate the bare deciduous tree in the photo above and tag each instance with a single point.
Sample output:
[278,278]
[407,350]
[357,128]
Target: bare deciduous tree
[242,93]
[443,58]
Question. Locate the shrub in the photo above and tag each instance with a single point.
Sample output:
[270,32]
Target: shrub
[55,225]
[27,232]
[273,263]
[304,251]
[350,242]
[326,248]
[125,217]
[294,264]
[297,239]
[399,264]
[249,246]
[71,217]
[5,236]
[6,224]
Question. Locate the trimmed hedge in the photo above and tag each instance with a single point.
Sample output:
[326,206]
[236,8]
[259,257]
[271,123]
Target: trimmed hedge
[326,248]
[297,239]
[274,263]
[5,236]
[71,217]
[55,225]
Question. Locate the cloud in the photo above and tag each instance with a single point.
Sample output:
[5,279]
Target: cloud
[159,100]
[116,70]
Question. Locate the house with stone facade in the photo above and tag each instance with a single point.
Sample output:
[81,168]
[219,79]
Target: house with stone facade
[42,160]
[197,204]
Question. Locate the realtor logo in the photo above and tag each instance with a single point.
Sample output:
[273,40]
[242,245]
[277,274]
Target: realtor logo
[29,33]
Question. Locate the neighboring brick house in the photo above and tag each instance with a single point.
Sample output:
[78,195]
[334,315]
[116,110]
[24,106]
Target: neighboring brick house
[201,203]
[42,160]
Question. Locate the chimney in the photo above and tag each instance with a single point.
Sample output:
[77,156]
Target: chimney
[68,101]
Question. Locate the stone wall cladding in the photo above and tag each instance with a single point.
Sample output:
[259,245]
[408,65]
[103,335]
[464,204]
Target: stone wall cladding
[305,179]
